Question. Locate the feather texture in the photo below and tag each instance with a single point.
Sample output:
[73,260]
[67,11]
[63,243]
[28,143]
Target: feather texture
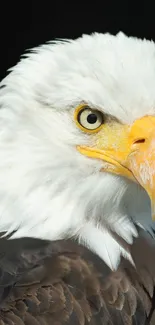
[52,192]
[64,283]
[63,193]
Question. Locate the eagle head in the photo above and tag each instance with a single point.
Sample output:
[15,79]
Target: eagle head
[77,142]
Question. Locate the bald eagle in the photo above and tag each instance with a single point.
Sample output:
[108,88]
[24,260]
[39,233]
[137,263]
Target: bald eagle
[77,162]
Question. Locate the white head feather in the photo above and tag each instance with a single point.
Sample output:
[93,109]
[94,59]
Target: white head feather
[48,189]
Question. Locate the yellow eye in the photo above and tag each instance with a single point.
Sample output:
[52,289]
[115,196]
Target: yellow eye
[89,119]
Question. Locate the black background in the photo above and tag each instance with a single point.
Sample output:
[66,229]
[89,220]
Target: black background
[24,26]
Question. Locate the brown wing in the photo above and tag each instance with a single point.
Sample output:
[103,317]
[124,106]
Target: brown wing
[63,283]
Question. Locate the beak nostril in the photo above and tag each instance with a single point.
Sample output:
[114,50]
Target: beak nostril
[139,141]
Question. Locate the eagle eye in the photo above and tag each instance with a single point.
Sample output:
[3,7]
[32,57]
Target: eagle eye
[89,119]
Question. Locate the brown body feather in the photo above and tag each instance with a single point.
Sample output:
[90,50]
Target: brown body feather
[63,283]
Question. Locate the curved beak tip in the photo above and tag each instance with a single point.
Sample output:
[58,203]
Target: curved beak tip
[142,165]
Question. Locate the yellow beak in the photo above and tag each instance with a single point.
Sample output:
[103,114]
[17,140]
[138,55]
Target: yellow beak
[128,151]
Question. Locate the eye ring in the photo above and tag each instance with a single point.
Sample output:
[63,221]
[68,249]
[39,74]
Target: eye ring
[88,119]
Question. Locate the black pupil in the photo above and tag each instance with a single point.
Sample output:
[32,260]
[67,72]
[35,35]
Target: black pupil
[91,118]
